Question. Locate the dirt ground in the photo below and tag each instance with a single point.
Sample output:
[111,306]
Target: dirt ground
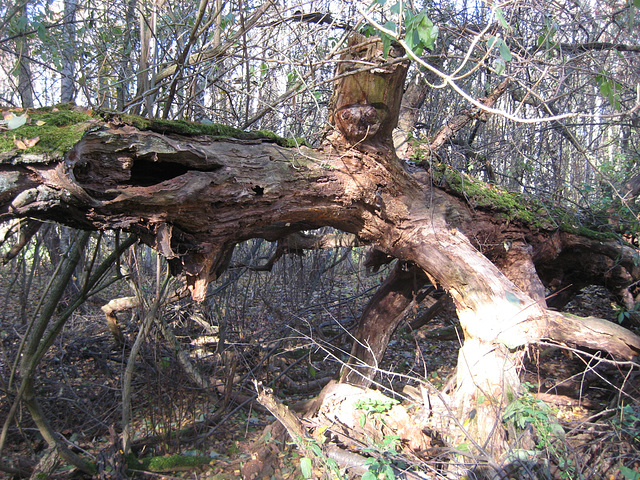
[295,351]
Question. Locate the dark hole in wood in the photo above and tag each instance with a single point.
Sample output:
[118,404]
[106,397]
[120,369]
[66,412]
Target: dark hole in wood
[258,189]
[146,173]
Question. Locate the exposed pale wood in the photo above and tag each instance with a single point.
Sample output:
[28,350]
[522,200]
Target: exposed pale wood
[195,197]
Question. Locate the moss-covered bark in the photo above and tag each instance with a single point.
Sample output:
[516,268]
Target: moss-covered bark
[194,195]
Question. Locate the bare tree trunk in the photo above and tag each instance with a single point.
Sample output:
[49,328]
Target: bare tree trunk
[25,85]
[125,70]
[41,335]
[30,357]
[147,19]
[67,80]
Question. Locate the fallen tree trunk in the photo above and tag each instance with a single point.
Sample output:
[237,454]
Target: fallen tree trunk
[193,192]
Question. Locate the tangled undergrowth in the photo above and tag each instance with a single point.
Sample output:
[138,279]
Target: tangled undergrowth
[579,416]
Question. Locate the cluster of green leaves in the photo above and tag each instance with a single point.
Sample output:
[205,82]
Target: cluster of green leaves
[609,89]
[627,422]
[420,31]
[622,313]
[370,406]
[527,410]
[379,464]
[306,463]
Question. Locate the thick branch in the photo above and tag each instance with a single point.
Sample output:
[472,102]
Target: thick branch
[585,47]
[594,333]
[453,126]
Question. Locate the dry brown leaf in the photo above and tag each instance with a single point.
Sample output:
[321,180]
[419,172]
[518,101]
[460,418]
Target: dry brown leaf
[23,144]
[19,143]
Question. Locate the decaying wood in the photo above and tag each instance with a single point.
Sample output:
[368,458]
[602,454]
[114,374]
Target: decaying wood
[286,417]
[110,310]
[344,409]
[291,422]
[115,305]
[194,197]
[365,104]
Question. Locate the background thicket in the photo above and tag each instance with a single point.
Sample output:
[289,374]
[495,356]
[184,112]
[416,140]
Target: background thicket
[564,128]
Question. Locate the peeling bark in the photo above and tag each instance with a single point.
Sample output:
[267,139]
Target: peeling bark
[194,197]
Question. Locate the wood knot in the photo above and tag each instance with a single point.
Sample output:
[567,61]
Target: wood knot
[358,121]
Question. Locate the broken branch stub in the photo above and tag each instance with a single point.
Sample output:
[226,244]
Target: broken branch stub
[368,90]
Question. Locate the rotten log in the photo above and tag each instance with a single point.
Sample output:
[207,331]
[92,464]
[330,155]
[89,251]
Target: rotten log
[194,196]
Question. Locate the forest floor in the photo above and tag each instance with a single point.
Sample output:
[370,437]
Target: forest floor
[80,383]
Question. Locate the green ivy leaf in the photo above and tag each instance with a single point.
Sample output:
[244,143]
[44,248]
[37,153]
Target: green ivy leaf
[22,23]
[627,472]
[306,467]
[315,448]
[391,26]
[42,32]
[369,475]
[464,447]
[388,472]
[428,32]
[505,53]
[311,370]
[501,19]
[386,39]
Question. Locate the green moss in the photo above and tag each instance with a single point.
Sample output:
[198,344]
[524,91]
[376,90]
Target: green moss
[167,463]
[183,127]
[58,129]
[514,206]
